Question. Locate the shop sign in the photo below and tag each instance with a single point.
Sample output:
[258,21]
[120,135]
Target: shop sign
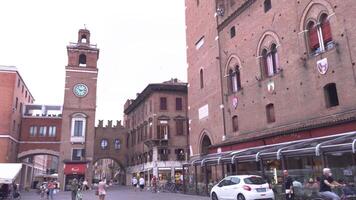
[75,168]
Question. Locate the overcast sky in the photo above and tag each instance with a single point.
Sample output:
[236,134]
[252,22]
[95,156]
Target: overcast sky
[140,42]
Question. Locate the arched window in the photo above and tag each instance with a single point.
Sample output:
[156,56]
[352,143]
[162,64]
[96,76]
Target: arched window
[235,123]
[325,29]
[274,54]
[234,79]
[201,79]
[78,127]
[84,39]
[270,113]
[117,144]
[231,81]
[82,60]
[331,97]
[232,32]
[267,5]
[264,63]
[313,36]
[205,145]
[319,35]
[270,61]
[104,144]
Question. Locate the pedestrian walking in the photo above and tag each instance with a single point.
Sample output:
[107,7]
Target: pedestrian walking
[51,186]
[154,183]
[85,185]
[102,189]
[134,182]
[43,191]
[288,185]
[74,188]
[142,183]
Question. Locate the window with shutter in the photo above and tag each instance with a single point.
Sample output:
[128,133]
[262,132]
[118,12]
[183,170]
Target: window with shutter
[313,38]
[163,103]
[326,30]
[180,127]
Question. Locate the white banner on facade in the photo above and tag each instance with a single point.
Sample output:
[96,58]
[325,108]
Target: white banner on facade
[203,111]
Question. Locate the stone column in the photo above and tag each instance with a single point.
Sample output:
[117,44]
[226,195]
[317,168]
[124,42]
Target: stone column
[155,160]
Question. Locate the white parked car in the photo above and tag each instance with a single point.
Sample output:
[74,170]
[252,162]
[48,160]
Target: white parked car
[242,187]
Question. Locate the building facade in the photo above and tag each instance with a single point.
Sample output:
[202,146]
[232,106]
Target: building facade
[39,142]
[110,151]
[14,96]
[285,72]
[79,106]
[157,139]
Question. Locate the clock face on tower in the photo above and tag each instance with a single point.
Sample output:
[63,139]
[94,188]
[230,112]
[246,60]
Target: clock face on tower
[80,90]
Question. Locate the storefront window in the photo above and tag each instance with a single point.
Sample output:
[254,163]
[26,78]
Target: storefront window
[164,175]
[341,165]
[303,168]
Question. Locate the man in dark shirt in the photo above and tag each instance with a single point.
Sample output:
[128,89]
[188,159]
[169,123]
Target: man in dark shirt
[288,185]
[326,184]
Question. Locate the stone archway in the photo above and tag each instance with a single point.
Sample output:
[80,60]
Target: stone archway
[205,144]
[34,152]
[109,168]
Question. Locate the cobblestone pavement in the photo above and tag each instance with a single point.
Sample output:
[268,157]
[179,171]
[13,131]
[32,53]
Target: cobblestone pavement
[118,193]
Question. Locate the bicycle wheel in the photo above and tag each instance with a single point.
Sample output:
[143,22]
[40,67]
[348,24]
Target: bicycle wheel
[172,188]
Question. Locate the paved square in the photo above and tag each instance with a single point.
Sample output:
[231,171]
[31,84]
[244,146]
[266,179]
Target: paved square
[117,193]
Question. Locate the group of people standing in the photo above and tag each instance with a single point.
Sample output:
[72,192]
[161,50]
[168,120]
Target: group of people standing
[48,189]
[327,183]
[140,183]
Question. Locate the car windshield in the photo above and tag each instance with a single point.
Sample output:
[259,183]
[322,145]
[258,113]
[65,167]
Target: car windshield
[255,180]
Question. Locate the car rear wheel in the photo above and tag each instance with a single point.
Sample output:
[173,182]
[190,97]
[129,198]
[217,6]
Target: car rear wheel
[214,196]
[241,197]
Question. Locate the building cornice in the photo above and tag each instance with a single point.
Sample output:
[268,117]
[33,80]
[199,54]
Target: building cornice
[151,88]
[235,14]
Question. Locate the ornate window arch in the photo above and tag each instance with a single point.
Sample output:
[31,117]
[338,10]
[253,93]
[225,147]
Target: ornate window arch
[233,74]
[268,51]
[205,144]
[316,25]
[78,127]
[82,60]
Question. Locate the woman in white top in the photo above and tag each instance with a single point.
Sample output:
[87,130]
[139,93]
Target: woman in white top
[102,189]
[142,183]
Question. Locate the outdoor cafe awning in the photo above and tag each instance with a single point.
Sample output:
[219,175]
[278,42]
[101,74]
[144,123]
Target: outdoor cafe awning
[9,172]
[345,142]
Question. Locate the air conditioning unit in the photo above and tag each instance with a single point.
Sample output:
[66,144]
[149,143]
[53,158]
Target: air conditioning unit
[13,109]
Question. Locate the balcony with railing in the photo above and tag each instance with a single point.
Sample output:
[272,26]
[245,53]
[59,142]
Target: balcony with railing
[160,141]
[43,111]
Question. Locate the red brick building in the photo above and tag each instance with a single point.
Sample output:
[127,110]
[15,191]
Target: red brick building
[14,96]
[267,72]
[79,107]
[39,142]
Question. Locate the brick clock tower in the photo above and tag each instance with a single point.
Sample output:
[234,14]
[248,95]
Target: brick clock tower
[78,118]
